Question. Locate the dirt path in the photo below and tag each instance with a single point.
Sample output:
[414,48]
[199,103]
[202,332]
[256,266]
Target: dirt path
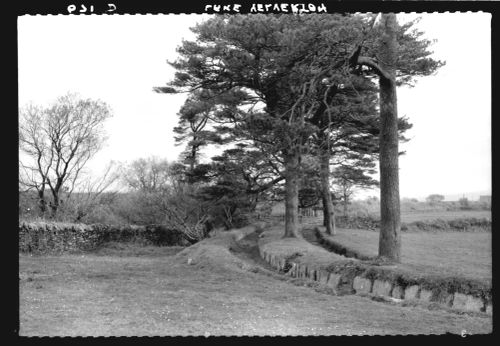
[247,249]
[153,295]
[308,234]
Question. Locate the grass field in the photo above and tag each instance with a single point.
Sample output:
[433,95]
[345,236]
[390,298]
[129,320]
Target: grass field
[430,215]
[467,254]
[129,291]
[412,216]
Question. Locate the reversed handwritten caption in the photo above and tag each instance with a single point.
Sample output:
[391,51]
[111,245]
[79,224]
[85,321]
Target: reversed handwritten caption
[264,8]
[81,8]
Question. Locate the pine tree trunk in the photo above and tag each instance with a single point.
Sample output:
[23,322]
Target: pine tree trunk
[328,211]
[292,195]
[390,224]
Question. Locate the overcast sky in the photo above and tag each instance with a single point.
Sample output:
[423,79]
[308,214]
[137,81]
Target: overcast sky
[119,59]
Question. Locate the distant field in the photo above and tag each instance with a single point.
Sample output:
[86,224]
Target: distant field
[447,215]
[444,253]
[444,215]
[412,216]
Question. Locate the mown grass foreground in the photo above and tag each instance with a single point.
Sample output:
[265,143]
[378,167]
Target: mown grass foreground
[126,291]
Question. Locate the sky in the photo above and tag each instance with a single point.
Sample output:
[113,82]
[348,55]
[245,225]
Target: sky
[119,59]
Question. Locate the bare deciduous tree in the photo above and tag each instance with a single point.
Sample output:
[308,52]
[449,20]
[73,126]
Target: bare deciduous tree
[148,175]
[91,193]
[57,142]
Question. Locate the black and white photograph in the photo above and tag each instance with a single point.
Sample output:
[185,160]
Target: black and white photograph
[273,169]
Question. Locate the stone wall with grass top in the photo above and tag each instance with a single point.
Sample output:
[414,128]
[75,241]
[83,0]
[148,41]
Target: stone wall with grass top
[362,276]
[52,238]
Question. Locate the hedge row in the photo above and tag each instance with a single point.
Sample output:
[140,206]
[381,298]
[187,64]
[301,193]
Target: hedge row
[463,224]
[42,237]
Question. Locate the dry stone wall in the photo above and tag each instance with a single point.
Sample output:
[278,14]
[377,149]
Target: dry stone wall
[49,238]
[364,279]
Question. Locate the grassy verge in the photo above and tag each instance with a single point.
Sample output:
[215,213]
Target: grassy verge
[298,249]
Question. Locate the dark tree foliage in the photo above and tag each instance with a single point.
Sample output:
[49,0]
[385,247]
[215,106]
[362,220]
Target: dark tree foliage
[253,54]
[294,81]
[201,122]
[240,178]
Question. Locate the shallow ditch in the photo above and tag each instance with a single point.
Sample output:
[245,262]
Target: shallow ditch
[247,249]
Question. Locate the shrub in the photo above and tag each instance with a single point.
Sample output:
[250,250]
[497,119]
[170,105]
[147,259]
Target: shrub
[464,203]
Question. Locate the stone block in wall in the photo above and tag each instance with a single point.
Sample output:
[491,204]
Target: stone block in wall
[278,263]
[425,295]
[362,285]
[302,271]
[323,276]
[382,288]
[442,296]
[459,300]
[333,280]
[397,292]
[282,264]
[467,302]
[411,292]
[311,273]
